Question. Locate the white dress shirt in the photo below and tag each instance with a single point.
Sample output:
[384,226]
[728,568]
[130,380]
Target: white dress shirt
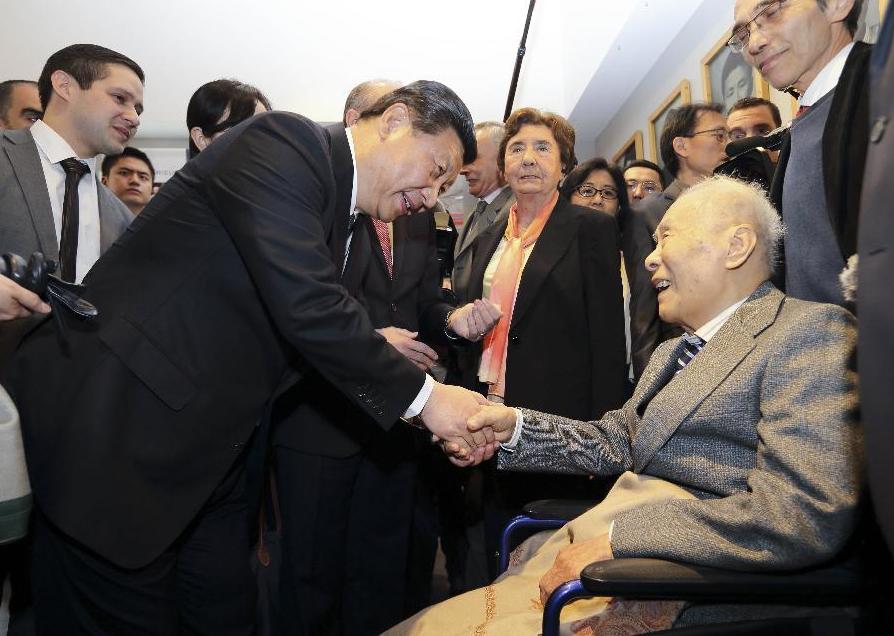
[425,392]
[827,79]
[52,149]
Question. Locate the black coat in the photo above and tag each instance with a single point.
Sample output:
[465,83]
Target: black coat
[566,351]
[219,292]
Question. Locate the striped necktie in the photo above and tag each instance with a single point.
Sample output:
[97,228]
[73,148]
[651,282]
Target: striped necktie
[692,344]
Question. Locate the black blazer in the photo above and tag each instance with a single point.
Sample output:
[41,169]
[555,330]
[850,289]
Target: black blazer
[314,417]
[221,291]
[844,152]
[566,341]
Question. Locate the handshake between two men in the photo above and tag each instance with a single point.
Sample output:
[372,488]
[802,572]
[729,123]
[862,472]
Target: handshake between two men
[469,427]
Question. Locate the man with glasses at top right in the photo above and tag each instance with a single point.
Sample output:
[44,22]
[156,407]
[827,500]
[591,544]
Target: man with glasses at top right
[806,47]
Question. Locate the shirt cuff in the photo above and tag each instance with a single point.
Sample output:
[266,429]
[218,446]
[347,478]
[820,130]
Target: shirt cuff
[509,446]
[421,397]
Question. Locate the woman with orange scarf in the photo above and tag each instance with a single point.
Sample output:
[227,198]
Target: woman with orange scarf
[552,267]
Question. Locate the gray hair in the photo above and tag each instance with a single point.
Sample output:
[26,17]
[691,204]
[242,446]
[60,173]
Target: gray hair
[737,198]
[494,130]
[366,94]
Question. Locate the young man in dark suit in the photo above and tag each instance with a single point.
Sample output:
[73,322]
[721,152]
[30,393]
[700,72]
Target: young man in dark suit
[222,295]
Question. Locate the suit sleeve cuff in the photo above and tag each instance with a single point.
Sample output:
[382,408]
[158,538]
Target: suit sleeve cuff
[421,398]
[509,446]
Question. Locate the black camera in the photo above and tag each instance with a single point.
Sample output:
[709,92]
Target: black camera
[36,275]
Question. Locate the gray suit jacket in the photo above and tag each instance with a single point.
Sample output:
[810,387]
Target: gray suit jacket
[462,259]
[26,217]
[761,427]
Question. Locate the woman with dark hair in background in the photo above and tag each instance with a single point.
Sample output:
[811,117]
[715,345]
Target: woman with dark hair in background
[552,267]
[217,106]
[600,185]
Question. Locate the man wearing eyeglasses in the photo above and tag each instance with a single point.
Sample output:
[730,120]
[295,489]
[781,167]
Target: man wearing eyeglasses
[643,178]
[693,143]
[806,47]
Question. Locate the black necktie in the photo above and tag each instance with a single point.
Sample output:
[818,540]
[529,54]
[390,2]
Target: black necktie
[692,344]
[473,218]
[68,244]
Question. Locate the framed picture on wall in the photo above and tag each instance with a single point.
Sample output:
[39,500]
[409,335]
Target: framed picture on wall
[870,23]
[680,96]
[630,151]
[727,77]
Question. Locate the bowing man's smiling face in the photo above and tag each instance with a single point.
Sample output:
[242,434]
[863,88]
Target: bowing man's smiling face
[409,169]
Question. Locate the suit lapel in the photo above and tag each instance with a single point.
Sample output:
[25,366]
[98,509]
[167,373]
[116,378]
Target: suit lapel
[23,156]
[683,394]
[343,171]
[485,246]
[358,259]
[113,217]
[488,215]
[557,236]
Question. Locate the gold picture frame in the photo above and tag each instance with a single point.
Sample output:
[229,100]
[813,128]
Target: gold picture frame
[727,77]
[680,96]
[630,151]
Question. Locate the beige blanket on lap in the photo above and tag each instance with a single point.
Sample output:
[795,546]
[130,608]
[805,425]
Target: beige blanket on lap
[511,605]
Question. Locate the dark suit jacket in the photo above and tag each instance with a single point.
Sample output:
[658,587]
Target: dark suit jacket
[844,152]
[223,285]
[874,301]
[314,417]
[566,341]
[647,330]
[462,260]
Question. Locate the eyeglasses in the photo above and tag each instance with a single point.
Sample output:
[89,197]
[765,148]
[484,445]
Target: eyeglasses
[769,14]
[649,187]
[721,135]
[588,191]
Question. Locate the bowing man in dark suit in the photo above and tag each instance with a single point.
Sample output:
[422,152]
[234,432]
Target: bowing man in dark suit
[223,292]
[346,485]
[552,268]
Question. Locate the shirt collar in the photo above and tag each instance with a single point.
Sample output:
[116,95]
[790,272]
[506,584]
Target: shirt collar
[353,209]
[710,328]
[53,147]
[493,195]
[827,79]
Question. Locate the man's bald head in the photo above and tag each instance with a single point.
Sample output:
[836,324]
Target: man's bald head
[365,95]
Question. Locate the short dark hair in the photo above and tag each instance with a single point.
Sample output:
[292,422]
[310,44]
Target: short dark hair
[853,18]
[110,160]
[211,100]
[562,130]
[680,122]
[650,165]
[433,108]
[757,102]
[6,89]
[86,63]
[583,170]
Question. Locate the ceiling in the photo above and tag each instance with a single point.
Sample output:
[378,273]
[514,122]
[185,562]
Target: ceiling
[584,58]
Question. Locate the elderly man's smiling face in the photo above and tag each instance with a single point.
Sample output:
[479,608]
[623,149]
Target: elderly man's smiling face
[792,40]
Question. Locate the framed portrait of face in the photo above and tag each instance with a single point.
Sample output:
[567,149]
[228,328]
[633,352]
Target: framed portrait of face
[630,151]
[680,96]
[727,77]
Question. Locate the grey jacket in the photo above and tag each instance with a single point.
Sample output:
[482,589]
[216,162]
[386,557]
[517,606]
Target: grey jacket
[26,217]
[761,426]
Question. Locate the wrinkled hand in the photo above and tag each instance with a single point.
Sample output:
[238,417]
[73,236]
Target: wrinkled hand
[499,418]
[405,341]
[571,560]
[445,415]
[474,320]
[18,302]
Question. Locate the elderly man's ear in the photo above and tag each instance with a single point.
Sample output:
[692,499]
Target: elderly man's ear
[742,243]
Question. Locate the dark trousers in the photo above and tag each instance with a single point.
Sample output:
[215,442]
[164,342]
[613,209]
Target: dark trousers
[345,534]
[202,584]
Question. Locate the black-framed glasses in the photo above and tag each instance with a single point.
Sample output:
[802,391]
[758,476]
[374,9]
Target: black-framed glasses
[767,14]
[649,187]
[721,135]
[589,191]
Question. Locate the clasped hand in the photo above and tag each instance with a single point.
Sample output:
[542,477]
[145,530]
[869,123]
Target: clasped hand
[473,320]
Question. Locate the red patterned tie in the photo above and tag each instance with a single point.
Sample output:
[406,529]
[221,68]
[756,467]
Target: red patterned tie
[801,110]
[384,242]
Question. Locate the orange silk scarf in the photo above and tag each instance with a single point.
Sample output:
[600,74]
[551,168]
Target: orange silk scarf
[503,291]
